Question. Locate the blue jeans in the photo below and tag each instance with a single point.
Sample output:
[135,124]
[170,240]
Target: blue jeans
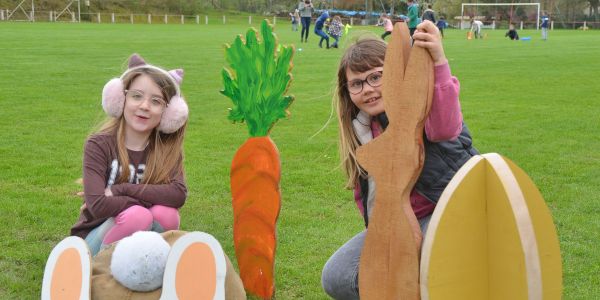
[337,39]
[340,274]
[96,236]
[323,36]
[305,27]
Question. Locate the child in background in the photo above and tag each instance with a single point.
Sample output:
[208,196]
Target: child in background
[133,166]
[335,30]
[512,33]
[545,25]
[295,19]
[476,27]
[429,14]
[441,24]
[388,26]
[361,117]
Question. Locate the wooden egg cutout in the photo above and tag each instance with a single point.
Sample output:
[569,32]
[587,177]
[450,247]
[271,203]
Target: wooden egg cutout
[491,236]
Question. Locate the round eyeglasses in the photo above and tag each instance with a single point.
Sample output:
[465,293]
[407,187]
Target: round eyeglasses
[139,97]
[373,79]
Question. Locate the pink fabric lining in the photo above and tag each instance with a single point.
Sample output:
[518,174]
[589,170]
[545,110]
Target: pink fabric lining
[138,218]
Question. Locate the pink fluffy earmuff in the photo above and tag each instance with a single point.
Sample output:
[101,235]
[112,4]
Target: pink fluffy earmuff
[174,116]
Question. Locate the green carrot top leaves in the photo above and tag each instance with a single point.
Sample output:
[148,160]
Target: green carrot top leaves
[257,79]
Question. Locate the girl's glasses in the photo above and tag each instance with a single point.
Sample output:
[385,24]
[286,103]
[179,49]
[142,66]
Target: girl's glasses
[373,79]
[139,97]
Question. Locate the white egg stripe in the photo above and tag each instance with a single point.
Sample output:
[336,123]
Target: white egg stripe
[523,222]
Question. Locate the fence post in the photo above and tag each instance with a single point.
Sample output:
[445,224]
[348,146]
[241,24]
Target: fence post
[249,20]
[98,17]
[494,24]
[166,19]
[584,25]
[49,17]
[73,17]
[351,21]
[2,14]
[131,18]
[552,25]
[112,18]
[182,20]
[149,18]
[197,19]
[521,25]
[274,20]
[223,19]
[206,20]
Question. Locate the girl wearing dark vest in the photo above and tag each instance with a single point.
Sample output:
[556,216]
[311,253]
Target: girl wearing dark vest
[361,117]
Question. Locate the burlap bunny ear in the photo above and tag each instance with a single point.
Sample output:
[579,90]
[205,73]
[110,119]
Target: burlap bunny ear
[135,60]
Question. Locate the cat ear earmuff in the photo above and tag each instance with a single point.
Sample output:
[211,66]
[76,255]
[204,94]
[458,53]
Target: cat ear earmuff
[176,112]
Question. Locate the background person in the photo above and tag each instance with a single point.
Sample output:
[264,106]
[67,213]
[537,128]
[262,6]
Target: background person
[305,7]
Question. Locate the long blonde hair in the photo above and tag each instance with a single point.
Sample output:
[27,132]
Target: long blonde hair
[365,54]
[165,155]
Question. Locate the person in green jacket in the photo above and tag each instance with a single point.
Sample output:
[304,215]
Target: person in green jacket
[413,16]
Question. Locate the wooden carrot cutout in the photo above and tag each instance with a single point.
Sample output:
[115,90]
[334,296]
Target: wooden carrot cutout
[389,263]
[256,82]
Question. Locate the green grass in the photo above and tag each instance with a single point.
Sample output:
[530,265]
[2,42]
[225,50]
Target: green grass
[535,102]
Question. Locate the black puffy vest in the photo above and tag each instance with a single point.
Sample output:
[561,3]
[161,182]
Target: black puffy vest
[442,161]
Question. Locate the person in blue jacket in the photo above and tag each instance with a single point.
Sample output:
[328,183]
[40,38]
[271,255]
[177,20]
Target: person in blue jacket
[319,24]
[545,24]
[441,24]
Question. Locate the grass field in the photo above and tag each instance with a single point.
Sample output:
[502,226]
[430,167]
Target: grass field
[534,102]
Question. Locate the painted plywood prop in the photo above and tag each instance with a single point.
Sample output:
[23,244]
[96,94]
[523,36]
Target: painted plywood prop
[68,271]
[196,268]
[256,81]
[391,252]
[491,236]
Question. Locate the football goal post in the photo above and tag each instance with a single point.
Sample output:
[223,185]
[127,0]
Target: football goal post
[512,12]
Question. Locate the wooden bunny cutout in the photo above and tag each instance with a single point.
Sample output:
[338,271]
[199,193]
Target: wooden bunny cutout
[389,264]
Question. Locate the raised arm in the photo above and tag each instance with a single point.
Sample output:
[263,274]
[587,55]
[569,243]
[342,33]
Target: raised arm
[445,118]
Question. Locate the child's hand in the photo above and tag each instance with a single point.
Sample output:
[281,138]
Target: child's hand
[427,36]
[108,192]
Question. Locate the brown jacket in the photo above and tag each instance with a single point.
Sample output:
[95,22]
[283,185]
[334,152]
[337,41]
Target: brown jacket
[101,169]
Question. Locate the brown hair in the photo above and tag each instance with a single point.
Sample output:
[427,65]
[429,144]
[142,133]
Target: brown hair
[165,156]
[363,55]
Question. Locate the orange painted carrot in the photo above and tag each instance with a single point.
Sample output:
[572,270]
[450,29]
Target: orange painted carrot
[255,173]
[256,83]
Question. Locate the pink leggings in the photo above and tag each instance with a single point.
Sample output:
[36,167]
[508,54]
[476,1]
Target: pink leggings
[139,218]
